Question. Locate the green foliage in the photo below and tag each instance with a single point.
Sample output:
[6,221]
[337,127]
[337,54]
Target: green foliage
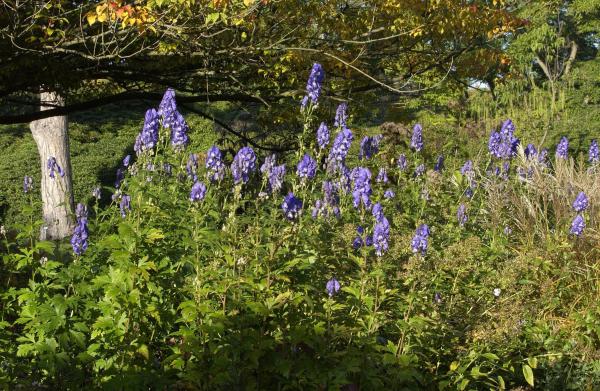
[227,293]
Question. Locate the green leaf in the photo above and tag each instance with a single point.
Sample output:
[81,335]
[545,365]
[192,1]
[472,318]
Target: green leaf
[528,373]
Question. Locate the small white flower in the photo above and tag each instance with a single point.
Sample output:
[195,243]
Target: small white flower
[2,230]
[43,260]
[497,292]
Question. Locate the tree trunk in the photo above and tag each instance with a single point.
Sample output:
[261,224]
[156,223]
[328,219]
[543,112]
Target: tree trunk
[52,139]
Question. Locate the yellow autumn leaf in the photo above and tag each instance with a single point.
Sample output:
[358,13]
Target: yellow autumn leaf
[248,3]
[91,18]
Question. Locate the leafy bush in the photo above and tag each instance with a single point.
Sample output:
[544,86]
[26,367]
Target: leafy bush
[213,276]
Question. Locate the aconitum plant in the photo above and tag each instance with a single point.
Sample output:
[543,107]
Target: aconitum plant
[439,165]
[214,164]
[179,129]
[322,136]
[148,137]
[198,192]
[503,144]
[381,236]
[581,202]
[167,105]
[461,215]
[562,149]
[389,194]
[276,177]
[382,176]
[594,153]
[333,286]
[369,146]
[126,161]
[420,170]
[402,164]
[577,225]
[377,211]
[243,164]
[27,184]
[339,149]
[362,187]
[416,140]
[530,151]
[54,167]
[79,240]
[314,84]
[419,242]
[291,206]
[191,166]
[97,192]
[341,115]
[125,205]
[467,169]
[307,167]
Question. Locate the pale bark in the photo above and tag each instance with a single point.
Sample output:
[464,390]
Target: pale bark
[52,139]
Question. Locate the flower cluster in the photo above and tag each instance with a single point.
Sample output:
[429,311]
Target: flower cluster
[594,153]
[198,192]
[562,149]
[580,204]
[148,138]
[27,184]
[416,139]
[341,115]
[402,163]
[503,144]
[323,136]
[307,167]
[369,146]
[332,287]
[461,215]
[179,129]
[314,84]
[125,205]
[54,167]
[214,164]
[339,150]
[362,187]
[291,206]
[243,164]
[79,240]
[420,240]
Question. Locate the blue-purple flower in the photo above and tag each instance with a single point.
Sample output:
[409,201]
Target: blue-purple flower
[307,167]
[562,149]
[377,211]
[97,192]
[54,167]
[332,287]
[314,84]
[461,215]
[198,192]
[439,165]
[389,193]
[467,169]
[322,136]
[167,105]
[416,140]
[214,164]
[148,137]
[543,157]
[192,166]
[503,144]
[179,129]
[530,151]
[382,176]
[341,115]
[125,204]
[276,178]
[80,233]
[126,161]
[243,164]
[594,153]
[577,225]
[402,164]
[420,170]
[291,206]
[339,150]
[381,236]
[362,187]
[369,146]
[581,202]
[420,240]
[27,184]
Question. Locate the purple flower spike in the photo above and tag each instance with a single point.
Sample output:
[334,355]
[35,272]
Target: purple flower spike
[419,242]
[333,286]
[307,167]
[341,115]
[322,136]
[381,236]
[461,215]
[80,234]
[389,193]
[439,165]
[578,225]
[97,193]
[125,204]
[362,187]
[148,137]
[198,192]
[291,206]
[276,177]
[179,129]
[27,184]
[382,176]
[214,164]
[54,167]
[416,140]
[402,164]
[594,153]
[562,149]
[581,202]
[314,84]
[243,164]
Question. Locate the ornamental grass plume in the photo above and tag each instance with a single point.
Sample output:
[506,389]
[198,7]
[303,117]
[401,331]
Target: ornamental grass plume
[244,163]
